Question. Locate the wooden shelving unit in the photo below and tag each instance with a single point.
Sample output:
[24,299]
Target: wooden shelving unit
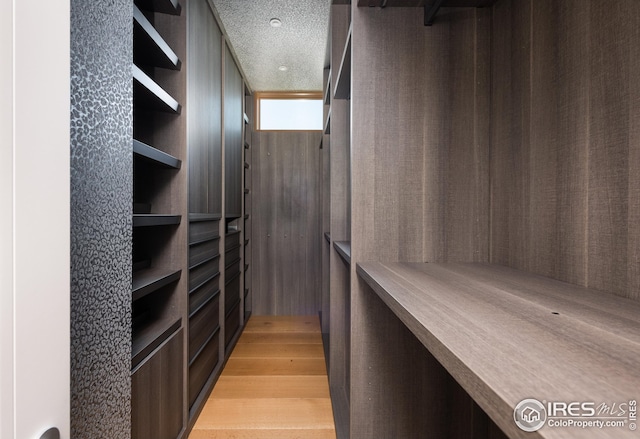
[159,234]
[149,95]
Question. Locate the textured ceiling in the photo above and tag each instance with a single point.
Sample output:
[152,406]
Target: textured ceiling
[300,43]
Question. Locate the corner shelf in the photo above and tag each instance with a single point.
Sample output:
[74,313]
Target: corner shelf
[153,220]
[150,48]
[150,336]
[343,83]
[150,280]
[344,250]
[155,156]
[497,331]
[148,94]
[171,7]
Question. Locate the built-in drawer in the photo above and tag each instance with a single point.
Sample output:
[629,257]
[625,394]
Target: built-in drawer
[200,295]
[202,366]
[232,239]
[232,293]
[232,255]
[203,273]
[203,230]
[202,323]
[232,269]
[232,324]
[202,251]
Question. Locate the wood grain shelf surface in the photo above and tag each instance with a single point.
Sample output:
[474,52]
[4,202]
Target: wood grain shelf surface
[148,94]
[171,7]
[344,250]
[155,155]
[148,337]
[150,280]
[272,386]
[153,220]
[506,335]
[149,47]
[343,83]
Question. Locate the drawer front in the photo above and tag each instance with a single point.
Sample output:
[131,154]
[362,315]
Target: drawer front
[202,367]
[203,273]
[202,323]
[202,230]
[231,239]
[231,294]
[202,294]
[232,255]
[156,392]
[203,251]
[232,323]
[231,271]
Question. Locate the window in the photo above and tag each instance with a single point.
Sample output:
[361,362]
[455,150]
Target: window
[289,111]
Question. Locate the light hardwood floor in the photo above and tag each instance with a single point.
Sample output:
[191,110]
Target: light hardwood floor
[273,386]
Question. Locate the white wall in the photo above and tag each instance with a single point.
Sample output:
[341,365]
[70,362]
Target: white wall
[34,218]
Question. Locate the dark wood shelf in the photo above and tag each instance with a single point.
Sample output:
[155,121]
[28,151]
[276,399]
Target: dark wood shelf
[156,156]
[196,217]
[204,261]
[246,242]
[171,7]
[152,279]
[327,124]
[211,237]
[343,82]
[148,94]
[204,346]
[245,118]
[327,237]
[149,47]
[246,292]
[246,165]
[498,331]
[148,337]
[344,250]
[232,278]
[153,220]
[208,279]
[327,91]
[246,145]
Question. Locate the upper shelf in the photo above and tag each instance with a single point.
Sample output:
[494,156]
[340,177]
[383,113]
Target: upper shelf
[151,220]
[150,95]
[506,335]
[155,155]
[171,7]
[344,250]
[343,81]
[149,47]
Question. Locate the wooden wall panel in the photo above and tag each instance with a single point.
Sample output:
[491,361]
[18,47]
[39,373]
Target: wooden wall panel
[286,229]
[420,192]
[204,106]
[565,141]
[233,123]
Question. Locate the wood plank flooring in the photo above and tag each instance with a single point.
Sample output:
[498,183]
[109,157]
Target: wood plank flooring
[273,386]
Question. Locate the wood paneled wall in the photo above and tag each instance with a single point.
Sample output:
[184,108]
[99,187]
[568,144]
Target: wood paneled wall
[287,226]
[565,128]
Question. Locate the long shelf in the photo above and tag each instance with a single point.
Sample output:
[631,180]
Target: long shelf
[149,47]
[506,335]
[171,7]
[148,94]
[343,82]
[150,280]
[344,250]
[155,155]
[196,217]
[152,220]
[150,336]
